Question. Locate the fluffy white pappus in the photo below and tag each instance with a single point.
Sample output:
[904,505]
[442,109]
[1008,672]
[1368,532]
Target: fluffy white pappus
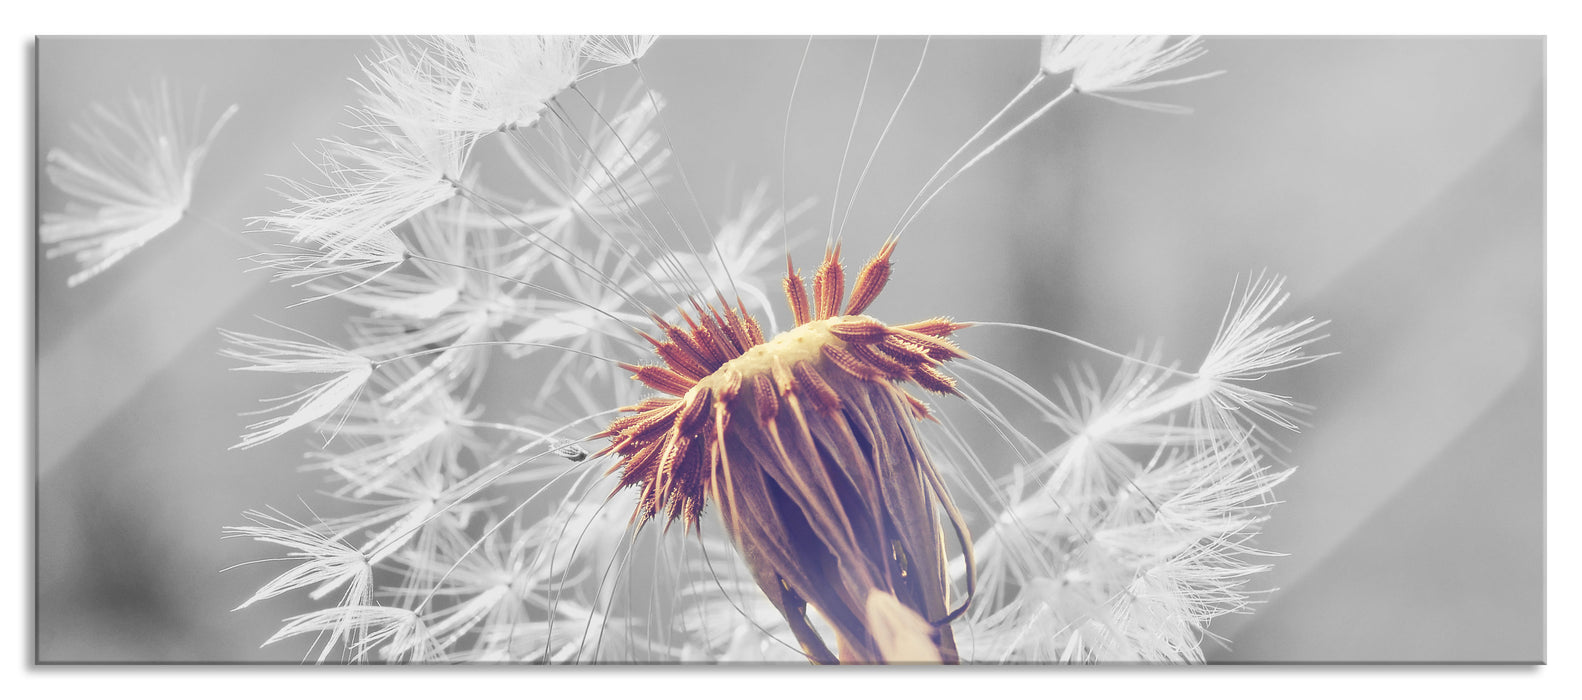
[412,508]
[1168,552]
[457,598]
[598,525]
[565,640]
[551,323]
[451,298]
[406,297]
[501,596]
[398,634]
[593,316]
[477,84]
[743,259]
[131,181]
[1249,347]
[1191,513]
[588,325]
[454,346]
[723,617]
[457,263]
[1103,65]
[1123,541]
[1139,578]
[387,446]
[615,50]
[312,265]
[351,372]
[410,511]
[603,183]
[403,165]
[328,561]
[1106,424]
[328,564]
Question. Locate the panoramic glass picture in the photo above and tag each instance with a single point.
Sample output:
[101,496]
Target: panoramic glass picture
[628,349]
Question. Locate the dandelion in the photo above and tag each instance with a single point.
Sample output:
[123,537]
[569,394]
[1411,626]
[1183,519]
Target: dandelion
[853,520]
[131,181]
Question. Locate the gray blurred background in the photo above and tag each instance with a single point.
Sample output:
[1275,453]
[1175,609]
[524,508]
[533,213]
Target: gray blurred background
[1398,183]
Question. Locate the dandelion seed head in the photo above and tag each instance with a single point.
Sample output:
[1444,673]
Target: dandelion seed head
[1119,522]
[741,427]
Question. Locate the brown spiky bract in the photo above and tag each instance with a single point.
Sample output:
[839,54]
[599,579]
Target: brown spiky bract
[808,445]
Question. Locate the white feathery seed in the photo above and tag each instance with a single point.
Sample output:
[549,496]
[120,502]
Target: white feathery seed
[1105,65]
[351,372]
[131,178]
[615,50]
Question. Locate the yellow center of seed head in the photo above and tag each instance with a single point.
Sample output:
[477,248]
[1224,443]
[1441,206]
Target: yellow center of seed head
[804,343]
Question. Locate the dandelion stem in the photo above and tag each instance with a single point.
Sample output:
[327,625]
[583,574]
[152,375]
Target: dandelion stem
[500,426]
[554,552]
[840,175]
[222,229]
[785,137]
[1019,95]
[850,203]
[681,169]
[1003,138]
[211,223]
